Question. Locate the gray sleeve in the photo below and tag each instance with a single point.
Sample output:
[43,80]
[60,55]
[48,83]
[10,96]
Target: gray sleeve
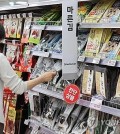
[10,78]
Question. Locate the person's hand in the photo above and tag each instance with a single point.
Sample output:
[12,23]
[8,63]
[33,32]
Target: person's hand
[48,76]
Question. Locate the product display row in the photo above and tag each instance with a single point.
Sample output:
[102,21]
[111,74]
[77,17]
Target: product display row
[102,12]
[63,118]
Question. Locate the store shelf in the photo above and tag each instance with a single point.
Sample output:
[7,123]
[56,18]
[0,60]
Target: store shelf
[53,28]
[48,92]
[47,54]
[105,109]
[5,8]
[45,3]
[40,53]
[86,103]
[47,27]
[98,61]
[99,25]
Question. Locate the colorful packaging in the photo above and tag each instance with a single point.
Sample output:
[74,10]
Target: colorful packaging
[13,28]
[83,10]
[26,31]
[97,12]
[7,27]
[19,29]
[112,14]
[110,48]
[94,42]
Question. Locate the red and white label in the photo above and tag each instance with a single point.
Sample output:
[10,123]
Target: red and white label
[71,94]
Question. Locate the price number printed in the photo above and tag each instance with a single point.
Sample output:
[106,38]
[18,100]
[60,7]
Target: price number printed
[81,58]
[111,62]
[96,103]
[96,60]
[71,94]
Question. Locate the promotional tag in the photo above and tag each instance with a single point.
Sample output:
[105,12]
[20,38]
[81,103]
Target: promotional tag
[71,94]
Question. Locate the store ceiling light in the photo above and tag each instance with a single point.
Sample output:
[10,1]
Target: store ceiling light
[11,3]
[21,2]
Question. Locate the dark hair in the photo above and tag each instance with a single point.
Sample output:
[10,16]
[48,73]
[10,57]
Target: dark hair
[2,32]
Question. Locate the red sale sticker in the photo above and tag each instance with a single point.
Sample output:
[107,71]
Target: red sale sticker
[71,94]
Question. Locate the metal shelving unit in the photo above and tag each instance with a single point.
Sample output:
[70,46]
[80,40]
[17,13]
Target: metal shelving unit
[99,25]
[99,61]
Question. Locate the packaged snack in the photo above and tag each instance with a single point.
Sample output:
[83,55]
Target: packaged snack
[97,12]
[26,30]
[112,14]
[101,81]
[111,47]
[13,28]
[83,10]
[7,24]
[94,42]
[88,80]
[19,29]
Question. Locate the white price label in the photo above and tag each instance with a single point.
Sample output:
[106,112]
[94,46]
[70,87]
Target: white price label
[2,17]
[14,16]
[111,62]
[96,103]
[81,58]
[96,60]
[30,15]
[5,16]
[10,16]
[24,15]
[18,15]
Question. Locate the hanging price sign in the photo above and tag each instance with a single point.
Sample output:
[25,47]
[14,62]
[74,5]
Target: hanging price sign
[71,94]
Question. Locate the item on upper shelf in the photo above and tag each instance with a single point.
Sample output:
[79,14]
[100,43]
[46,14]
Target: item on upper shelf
[35,33]
[97,12]
[82,40]
[13,28]
[19,29]
[7,27]
[94,42]
[88,83]
[83,10]
[112,14]
[26,31]
[111,47]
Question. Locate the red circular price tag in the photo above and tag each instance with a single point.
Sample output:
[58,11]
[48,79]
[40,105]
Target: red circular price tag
[71,94]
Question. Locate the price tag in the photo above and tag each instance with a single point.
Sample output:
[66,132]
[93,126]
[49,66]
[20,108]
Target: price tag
[96,103]
[13,16]
[2,17]
[24,15]
[10,16]
[30,15]
[96,60]
[13,42]
[71,94]
[81,58]
[111,62]
[18,16]
[5,16]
